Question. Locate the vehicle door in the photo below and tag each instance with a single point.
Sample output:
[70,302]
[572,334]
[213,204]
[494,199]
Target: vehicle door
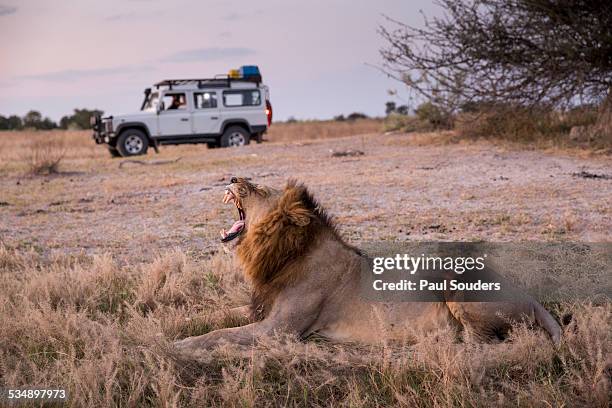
[174,117]
[205,117]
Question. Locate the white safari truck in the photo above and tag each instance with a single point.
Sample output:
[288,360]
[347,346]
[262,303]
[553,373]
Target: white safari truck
[221,112]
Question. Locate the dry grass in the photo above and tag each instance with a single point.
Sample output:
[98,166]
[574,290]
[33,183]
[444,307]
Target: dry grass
[43,152]
[309,130]
[103,332]
[536,127]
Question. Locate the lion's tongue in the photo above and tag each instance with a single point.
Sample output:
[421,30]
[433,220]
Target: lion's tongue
[233,232]
[237,227]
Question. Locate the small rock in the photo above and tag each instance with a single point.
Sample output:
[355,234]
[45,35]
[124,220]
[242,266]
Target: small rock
[264,175]
[345,153]
[587,175]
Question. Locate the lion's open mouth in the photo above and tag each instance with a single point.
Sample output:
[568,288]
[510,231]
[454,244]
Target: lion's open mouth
[238,226]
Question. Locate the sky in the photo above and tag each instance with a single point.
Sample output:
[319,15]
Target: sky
[318,57]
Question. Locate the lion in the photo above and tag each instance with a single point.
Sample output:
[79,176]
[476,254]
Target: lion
[305,281]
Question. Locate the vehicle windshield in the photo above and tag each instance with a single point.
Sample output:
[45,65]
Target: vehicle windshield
[150,103]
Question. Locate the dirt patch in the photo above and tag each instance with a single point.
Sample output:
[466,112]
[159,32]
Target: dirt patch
[473,192]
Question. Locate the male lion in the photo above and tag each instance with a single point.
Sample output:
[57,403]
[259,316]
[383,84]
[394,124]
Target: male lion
[306,281]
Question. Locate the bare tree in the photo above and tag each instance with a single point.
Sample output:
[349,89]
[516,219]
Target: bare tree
[526,52]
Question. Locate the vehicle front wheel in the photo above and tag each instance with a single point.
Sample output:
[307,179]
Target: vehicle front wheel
[234,136]
[132,142]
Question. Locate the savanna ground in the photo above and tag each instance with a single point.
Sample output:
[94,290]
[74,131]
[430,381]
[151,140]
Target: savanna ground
[102,267]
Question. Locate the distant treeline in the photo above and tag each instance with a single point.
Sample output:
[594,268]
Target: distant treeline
[339,118]
[34,120]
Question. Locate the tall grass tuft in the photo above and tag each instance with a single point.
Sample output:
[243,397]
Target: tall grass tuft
[45,155]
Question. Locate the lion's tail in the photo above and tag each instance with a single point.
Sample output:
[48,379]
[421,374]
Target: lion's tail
[546,321]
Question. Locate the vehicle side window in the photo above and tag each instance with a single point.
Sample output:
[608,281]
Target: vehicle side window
[245,97]
[205,100]
[175,101]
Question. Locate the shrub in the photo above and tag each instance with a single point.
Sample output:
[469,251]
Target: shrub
[34,120]
[434,116]
[405,123]
[428,117]
[44,156]
[79,119]
[356,115]
[524,124]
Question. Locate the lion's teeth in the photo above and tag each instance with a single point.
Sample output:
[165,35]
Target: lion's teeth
[223,233]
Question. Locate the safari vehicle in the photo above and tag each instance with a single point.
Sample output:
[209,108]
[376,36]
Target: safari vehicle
[224,111]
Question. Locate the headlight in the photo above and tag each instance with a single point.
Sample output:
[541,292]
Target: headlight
[108,126]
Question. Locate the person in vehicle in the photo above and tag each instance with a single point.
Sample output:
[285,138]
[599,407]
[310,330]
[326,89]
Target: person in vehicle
[177,102]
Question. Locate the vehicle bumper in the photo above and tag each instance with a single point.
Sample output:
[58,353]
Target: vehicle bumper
[259,129]
[102,130]
[100,138]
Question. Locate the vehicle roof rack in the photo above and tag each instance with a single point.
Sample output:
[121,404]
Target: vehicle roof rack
[219,81]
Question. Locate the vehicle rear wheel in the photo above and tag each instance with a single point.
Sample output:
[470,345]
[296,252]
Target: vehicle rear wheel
[234,136]
[132,142]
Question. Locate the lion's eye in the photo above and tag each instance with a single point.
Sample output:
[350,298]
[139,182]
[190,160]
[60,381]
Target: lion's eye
[233,180]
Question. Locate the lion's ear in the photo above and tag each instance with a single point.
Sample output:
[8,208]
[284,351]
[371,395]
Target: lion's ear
[299,216]
[293,208]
